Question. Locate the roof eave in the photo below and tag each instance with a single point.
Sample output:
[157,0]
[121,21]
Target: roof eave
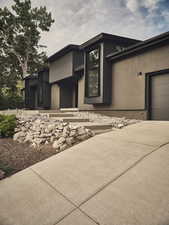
[62,52]
[105,36]
[138,47]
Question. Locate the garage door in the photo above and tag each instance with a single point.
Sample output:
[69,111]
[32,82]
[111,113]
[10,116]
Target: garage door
[159,102]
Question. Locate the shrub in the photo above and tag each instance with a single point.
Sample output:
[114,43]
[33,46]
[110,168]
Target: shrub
[11,102]
[7,125]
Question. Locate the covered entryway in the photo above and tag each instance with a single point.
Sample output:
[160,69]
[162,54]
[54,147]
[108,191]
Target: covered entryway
[68,93]
[159,97]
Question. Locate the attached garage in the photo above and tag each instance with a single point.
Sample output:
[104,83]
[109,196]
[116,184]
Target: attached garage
[159,96]
[140,80]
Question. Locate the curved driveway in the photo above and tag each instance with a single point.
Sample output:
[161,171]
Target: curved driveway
[116,178]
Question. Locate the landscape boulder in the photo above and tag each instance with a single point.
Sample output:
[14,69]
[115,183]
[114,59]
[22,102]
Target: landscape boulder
[40,130]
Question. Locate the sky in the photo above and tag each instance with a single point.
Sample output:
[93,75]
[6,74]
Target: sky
[76,21]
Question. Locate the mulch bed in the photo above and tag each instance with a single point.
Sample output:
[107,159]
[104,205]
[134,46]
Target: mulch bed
[15,157]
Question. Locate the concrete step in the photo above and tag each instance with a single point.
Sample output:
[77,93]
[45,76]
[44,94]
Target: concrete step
[49,111]
[69,110]
[72,119]
[95,126]
[60,115]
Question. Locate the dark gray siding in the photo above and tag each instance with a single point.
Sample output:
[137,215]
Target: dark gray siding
[44,90]
[31,92]
[78,59]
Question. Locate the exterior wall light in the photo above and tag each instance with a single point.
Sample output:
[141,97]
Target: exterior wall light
[139,74]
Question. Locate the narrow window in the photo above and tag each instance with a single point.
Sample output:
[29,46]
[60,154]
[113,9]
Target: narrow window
[93,73]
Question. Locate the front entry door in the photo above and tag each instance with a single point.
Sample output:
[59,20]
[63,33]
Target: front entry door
[68,93]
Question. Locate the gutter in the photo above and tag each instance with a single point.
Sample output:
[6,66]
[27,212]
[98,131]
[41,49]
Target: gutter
[138,47]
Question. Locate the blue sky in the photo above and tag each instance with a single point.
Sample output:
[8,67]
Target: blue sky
[78,20]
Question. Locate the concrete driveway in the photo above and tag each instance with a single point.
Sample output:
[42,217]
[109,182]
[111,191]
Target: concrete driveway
[116,178]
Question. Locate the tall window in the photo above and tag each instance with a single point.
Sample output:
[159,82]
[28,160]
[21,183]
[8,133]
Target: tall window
[93,73]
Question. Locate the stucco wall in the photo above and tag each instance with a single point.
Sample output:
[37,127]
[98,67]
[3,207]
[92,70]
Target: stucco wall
[55,96]
[128,89]
[61,68]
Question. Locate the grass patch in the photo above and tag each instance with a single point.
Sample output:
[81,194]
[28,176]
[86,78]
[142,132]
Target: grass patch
[8,170]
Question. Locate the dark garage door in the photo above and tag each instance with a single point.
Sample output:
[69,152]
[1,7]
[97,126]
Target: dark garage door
[159,100]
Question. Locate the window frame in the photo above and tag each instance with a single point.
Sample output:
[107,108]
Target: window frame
[88,68]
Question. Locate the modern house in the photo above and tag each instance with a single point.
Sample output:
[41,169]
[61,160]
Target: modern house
[109,74]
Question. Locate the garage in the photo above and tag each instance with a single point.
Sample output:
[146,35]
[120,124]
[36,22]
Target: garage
[159,97]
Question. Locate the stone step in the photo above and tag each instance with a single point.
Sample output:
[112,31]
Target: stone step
[95,126]
[72,119]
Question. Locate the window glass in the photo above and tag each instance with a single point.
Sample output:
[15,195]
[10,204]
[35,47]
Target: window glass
[93,57]
[93,73]
[93,83]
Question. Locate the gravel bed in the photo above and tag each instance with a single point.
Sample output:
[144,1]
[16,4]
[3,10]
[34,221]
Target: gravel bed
[16,156]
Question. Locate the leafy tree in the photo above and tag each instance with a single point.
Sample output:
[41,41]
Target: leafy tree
[20,33]
[9,72]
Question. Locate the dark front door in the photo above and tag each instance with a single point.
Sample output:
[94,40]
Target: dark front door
[159,97]
[68,93]
[33,97]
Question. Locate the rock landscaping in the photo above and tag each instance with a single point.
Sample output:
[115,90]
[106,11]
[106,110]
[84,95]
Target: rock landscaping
[38,136]
[42,130]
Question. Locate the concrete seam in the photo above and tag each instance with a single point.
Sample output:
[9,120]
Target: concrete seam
[72,212]
[124,172]
[138,143]
[67,199]
[77,207]
[88,216]
[54,188]
[63,217]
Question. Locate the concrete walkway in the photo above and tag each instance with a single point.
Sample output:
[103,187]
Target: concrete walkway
[116,178]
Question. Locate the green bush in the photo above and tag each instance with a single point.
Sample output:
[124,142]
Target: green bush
[7,125]
[11,102]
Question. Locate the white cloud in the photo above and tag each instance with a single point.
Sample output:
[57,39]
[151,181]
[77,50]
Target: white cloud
[77,21]
[134,5]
